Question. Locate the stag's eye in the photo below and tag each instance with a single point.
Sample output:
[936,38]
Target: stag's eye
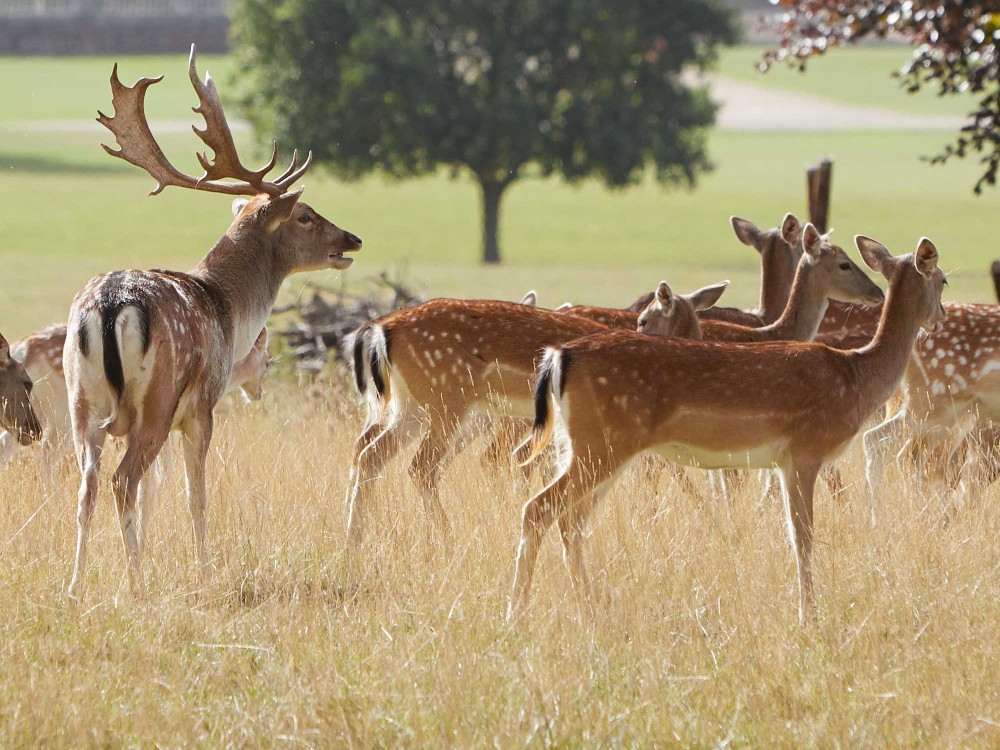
[304,219]
[845,266]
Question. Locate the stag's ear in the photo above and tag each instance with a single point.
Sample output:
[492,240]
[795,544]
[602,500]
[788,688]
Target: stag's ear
[530,299]
[812,241]
[707,296]
[261,341]
[746,231]
[790,229]
[4,350]
[564,306]
[876,254]
[925,257]
[663,294]
[238,205]
[279,209]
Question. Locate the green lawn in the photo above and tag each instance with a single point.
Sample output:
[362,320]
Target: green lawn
[854,75]
[71,211]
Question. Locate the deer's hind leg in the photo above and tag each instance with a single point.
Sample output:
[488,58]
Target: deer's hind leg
[570,498]
[89,444]
[433,456]
[376,446]
[143,446]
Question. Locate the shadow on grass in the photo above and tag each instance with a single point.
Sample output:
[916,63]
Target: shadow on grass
[40,164]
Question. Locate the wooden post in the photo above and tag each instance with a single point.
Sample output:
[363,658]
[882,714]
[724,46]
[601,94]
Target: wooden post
[818,180]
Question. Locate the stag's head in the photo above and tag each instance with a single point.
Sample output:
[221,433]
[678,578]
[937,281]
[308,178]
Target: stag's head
[271,210]
[672,314]
[836,273]
[915,278]
[16,415]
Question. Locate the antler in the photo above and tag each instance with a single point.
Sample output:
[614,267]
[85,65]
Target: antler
[137,145]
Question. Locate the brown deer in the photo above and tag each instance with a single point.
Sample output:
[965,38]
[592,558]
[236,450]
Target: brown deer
[779,250]
[151,351]
[952,383]
[433,367]
[17,417]
[824,272]
[788,405]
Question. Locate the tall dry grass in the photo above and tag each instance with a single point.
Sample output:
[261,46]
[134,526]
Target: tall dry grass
[696,642]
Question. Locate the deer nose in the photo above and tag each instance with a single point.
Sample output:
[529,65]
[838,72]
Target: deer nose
[353,238]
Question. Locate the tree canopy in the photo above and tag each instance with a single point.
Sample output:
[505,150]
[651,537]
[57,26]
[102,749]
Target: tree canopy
[955,50]
[497,88]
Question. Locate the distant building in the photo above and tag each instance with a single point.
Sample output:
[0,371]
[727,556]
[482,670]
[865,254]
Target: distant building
[92,27]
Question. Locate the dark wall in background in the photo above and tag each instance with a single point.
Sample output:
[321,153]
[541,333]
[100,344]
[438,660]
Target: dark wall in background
[75,36]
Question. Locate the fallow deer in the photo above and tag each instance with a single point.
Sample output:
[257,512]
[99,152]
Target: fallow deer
[779,249]
[953,382]
[17,417]
[433,367]
[151,351]
[824,272]
[789,405]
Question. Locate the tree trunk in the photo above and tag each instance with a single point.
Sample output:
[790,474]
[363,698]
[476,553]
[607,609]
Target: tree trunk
[492,193]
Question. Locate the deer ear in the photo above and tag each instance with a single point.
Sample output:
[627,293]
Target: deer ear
[530,299]
[706,297]
[564,306]
[4,350]
[663,294]
[238,205]
[261,338]
[746,231]
[876,254]
[812,241]
[925,257]
[279,209]
[790,229]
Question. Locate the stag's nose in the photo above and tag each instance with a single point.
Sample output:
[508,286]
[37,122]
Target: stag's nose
[354,239]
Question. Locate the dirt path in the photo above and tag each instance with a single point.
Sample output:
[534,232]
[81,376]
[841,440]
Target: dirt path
[749,108]
[745,107]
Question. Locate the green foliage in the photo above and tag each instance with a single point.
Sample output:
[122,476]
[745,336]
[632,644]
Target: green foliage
[954,52]
[576,88]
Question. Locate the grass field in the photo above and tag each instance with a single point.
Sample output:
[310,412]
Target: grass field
[696,641]
[72,211]
[853,75]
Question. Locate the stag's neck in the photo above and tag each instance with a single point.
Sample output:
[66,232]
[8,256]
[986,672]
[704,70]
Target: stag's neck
[248,273]
[804,311]
[883,362]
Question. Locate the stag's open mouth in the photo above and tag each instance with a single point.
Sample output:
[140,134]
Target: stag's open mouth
[338,261]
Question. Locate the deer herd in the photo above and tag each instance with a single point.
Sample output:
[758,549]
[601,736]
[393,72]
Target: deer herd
[785,387]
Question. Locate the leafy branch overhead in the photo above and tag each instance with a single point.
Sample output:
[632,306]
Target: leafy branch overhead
[495,88]
[955,51]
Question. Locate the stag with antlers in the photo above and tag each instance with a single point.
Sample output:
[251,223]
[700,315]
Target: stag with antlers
[151,351]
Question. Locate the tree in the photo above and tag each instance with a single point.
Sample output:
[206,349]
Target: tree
[955,50]
[495,88]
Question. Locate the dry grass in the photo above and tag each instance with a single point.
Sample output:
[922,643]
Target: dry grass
[696,642]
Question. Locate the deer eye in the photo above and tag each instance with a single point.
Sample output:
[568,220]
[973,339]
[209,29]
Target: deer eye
[845,266]
[304,219]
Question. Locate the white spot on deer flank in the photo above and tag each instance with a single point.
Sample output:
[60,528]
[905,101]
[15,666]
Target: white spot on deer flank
[949,369]
[937,388]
